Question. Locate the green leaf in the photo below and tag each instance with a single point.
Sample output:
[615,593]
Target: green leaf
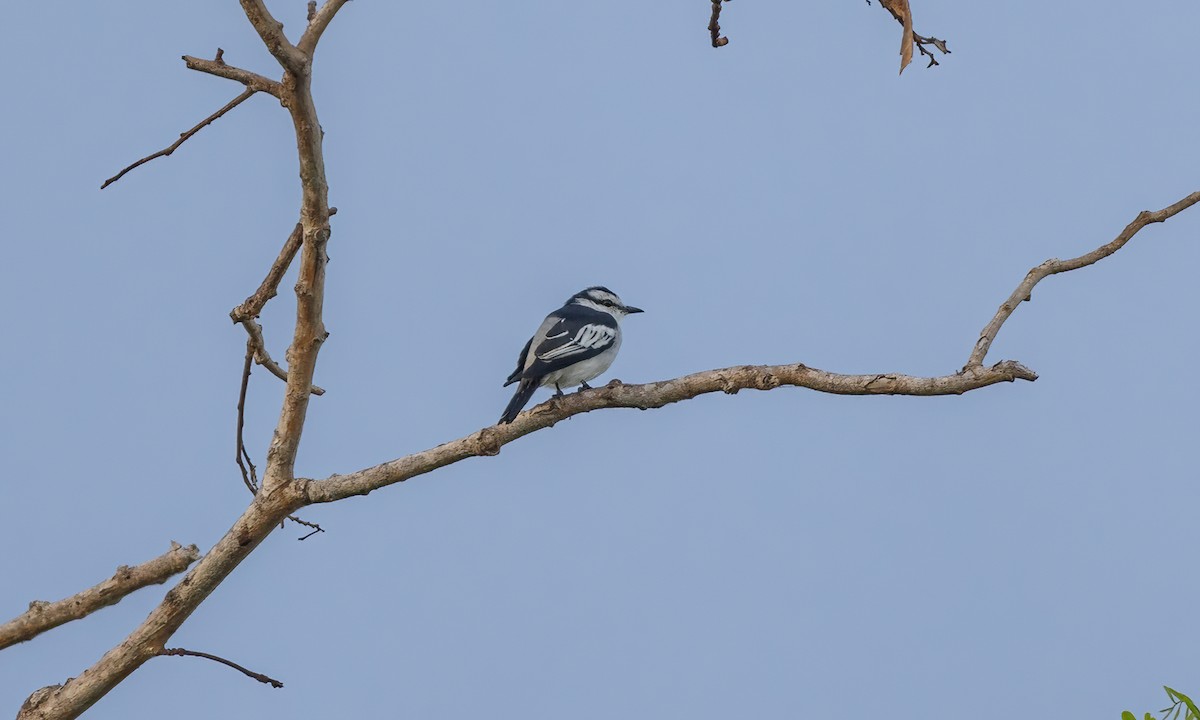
[1191,706]
[1179,701]
[1127,716]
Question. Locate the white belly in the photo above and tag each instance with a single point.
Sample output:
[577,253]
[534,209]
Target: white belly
[585,370]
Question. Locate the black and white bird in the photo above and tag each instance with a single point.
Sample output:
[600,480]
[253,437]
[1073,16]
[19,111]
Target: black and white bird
[575,343]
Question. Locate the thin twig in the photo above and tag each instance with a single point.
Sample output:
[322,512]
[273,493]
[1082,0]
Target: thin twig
[43,616]
[1054,266]
[714,28]
[939,44]
[315,527]
[249,476]
[183,137]
[180,652]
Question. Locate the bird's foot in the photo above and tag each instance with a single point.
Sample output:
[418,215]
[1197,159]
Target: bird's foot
[557,391]
[584,386]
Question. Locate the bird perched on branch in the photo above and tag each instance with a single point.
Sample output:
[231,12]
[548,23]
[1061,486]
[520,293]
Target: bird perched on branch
[575,343]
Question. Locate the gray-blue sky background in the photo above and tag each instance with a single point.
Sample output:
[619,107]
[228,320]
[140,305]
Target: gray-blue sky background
[1027,549]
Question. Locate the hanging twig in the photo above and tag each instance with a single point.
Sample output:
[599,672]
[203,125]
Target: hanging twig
[180,652]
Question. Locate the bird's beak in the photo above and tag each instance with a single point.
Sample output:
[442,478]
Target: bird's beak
[629,310]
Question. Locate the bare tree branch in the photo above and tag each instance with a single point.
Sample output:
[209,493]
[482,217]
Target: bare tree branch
[43,616]
[269,288]
[183,137]
[922,41]
[262,357]
[1053,267]
[220,69]
[253,305]
[310,333]
[714,27]
[488,441]
[271,32]
[229,663]
[318,20]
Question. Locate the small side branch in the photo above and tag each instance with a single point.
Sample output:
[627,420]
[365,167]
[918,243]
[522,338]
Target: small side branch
[262,357]
[43,616]
[218,67]
[315,527]
[922,41]
[318,20]
[1024,291]
[714,27]
[228,663]
[183,137]
[269,288]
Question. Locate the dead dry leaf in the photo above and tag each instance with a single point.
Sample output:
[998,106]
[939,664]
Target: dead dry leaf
[901,11]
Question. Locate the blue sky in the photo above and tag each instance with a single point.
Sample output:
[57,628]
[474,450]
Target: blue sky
[1025,549]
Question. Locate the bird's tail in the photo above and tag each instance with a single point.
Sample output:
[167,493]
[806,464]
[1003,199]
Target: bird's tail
[519,398]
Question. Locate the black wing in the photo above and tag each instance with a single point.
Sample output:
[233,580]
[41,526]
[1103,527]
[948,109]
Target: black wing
[578,333]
